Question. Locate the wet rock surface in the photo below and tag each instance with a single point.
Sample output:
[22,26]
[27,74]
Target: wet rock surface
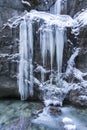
[54,110]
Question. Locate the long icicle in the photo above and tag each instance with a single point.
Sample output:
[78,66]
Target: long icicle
[51,49]
[43,47]
[30,51]
[59,39]
[23,65]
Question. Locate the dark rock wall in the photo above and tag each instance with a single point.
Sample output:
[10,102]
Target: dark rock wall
[9,48]
[73,7]
[9,9]
[82,58]
[8,62]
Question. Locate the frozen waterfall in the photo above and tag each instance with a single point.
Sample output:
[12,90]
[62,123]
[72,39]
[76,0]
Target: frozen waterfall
[51,43]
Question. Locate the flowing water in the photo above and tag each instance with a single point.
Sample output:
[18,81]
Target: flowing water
[17,115]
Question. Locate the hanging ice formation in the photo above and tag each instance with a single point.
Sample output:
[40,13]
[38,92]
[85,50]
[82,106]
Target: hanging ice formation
[47,37]
[26,58]
[59,37]
[56,8]
[51,33]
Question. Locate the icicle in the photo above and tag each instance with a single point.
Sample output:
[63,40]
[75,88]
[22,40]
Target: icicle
[30,51]
[26,58]
[56,8]
[51,49]
[52,46]
[43,47]
[23,65]
[59,39]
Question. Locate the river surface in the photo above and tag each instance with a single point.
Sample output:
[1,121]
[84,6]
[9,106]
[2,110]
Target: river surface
[17,115]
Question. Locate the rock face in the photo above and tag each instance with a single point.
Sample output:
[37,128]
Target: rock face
[43,5]
[9,9]
[9,44]
[9,48]
[78,96]
[82,58]
[8,62]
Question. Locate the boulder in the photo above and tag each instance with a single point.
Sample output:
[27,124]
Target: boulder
[77,96]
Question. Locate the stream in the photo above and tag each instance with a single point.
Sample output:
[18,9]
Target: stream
[18,115]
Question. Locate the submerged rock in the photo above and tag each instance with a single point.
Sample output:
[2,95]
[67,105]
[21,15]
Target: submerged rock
[54,110]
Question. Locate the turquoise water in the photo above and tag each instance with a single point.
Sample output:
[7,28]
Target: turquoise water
[17,115]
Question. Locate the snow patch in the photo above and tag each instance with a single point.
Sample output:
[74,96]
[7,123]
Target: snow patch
[54,102]
[26,2]
[70,127]
[67,120]
[68,124]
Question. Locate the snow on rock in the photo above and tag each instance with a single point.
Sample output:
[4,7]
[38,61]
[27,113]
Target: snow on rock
[70,127]
[78,74]
[37,82]
[71,62]
[80,20]
[83,98]
[71,70]
[61,21]
[53,102]
[26,2]
[50,19]
[67,120]
[40,68]
[68,124]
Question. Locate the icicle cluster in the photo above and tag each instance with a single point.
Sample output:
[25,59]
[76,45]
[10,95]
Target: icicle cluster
[51,42]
